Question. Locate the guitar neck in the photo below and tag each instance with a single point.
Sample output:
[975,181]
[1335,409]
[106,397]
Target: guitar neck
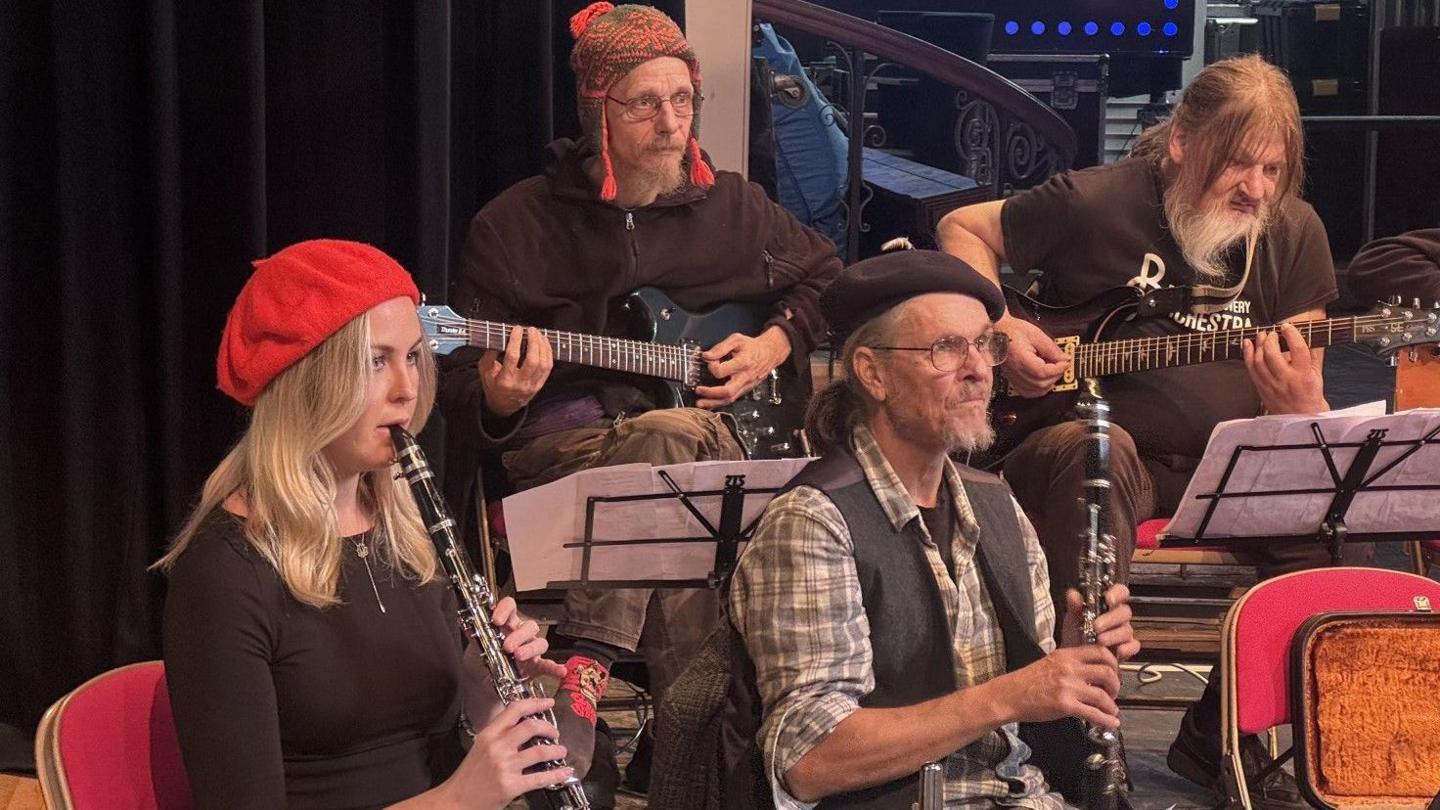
[1110,357]
[619,354]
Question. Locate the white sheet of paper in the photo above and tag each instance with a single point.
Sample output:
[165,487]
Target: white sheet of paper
[540,522]
[1295,469]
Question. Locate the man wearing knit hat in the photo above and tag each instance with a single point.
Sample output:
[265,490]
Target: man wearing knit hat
[634,203]
[896,605]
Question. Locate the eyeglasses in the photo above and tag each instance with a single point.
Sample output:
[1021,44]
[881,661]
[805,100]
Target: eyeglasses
[643,108]
[948,353]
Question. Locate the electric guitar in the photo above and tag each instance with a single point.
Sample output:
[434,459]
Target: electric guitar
[768,419]
[1081,332]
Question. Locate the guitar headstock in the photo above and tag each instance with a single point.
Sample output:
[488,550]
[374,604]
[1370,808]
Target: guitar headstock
[445,331]
[1391,326]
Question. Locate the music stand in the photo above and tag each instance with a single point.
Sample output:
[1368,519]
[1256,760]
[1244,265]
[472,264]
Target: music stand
[648,531]
[1332,529]
[726,537]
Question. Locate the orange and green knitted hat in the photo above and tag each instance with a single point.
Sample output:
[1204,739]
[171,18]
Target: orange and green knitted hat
[611,41]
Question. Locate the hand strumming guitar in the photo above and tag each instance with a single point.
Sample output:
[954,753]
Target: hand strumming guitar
[742,362]
[1035,361]
[511,380]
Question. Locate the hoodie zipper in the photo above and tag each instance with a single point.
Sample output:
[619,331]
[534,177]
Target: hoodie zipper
[634,248]
[769,268]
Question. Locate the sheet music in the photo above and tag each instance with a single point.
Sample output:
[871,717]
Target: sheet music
[540,521]
[1274,470]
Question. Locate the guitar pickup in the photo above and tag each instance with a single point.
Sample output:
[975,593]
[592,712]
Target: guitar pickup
[1068,381]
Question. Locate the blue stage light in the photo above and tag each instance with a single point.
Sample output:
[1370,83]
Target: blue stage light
[1172,4]
[1170,29]
[1143,29]
[1117,28]
[1064,28]
[1012,28]
[1091,29]
[1037,28]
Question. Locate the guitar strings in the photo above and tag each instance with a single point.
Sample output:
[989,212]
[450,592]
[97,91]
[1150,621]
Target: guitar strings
[633,354]
[1131,352]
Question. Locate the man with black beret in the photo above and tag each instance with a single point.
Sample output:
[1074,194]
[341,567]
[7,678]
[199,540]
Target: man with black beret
[895,604]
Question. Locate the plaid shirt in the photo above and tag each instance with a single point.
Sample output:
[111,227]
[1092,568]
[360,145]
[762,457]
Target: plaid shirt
[796,600]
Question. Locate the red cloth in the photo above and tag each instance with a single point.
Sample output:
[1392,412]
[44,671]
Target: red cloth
[1273,610]
[116,741]
[297,299]
[1147,533]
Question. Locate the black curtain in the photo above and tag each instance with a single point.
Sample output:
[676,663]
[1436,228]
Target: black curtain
[148,152]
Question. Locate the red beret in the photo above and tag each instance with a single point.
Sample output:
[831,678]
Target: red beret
[297,299]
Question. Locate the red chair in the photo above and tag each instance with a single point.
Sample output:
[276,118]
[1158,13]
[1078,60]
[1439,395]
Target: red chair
[111,744]
[1255,645]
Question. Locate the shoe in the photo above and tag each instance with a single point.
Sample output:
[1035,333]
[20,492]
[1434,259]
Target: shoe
[637,773]
[1188,758]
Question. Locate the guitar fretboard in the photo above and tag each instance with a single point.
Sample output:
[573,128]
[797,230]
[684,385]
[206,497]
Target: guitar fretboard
[1110,357]
[678,363]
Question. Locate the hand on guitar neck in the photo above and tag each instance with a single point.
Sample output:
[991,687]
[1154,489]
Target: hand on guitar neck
[512,378]
[742,362]
[1035,362]
[1286,383]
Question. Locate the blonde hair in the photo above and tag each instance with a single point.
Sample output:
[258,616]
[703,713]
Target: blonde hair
[280,469]
[1232,106]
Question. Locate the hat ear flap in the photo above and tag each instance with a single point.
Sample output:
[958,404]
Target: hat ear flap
[608,189]
[700,174]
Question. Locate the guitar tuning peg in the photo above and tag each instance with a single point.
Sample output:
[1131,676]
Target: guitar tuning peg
[1415,303]
[1394,300]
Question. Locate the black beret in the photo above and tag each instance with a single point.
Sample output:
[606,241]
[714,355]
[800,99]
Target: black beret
[868,287]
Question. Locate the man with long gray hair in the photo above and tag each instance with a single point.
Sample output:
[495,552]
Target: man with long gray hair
[1208,199]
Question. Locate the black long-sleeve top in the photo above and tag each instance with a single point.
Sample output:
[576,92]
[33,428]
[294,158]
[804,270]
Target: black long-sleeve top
[279,704]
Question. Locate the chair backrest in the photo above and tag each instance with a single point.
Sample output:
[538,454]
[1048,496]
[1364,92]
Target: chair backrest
[111,743]
[1261,624]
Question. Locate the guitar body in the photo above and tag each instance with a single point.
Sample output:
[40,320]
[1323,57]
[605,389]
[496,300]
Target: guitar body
[1016,417]
[769,419]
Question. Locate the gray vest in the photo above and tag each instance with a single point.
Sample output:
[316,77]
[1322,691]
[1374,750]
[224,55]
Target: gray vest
[911,639]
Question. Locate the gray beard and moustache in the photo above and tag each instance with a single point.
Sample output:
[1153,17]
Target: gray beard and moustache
[1206,236]
[956,439]
[664,177]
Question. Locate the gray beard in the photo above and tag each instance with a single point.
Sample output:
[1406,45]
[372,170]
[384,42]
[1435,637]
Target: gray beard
[1205,237]
[663,180]
[972,441]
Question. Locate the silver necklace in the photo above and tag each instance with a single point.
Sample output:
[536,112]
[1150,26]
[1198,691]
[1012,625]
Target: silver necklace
[363,552]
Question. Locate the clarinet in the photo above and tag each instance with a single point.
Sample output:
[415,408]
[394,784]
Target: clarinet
[477,602]
[1105,768]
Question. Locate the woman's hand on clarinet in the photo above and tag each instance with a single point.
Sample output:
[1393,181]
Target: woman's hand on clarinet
[493,772]
[523,641]
[1112,628]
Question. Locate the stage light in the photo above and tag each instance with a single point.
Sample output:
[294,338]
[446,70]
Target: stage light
[1064,28]
[1172,4]
[1117,28]
[1037,28]
[1170,29]
[1012,28]
[1143,29]
[1091,28]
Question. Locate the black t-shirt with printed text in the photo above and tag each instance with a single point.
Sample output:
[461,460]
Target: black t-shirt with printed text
[1099,228]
